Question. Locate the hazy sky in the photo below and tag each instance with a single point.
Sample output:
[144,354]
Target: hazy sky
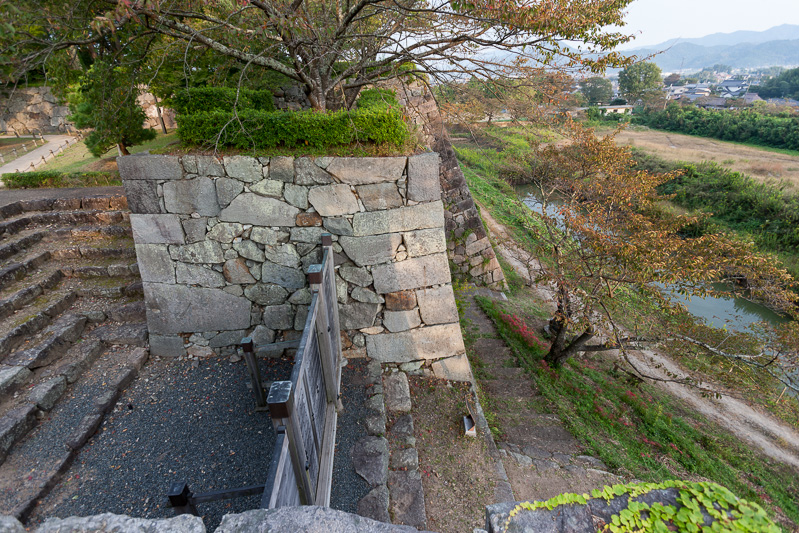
[655,21]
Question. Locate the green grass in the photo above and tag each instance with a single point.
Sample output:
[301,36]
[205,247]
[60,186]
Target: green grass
[77,157]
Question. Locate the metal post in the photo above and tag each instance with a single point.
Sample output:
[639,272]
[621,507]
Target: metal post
[247,346]
[179,497]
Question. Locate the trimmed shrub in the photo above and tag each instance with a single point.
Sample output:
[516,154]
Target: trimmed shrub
[53,178]
[206,99]
[377,99]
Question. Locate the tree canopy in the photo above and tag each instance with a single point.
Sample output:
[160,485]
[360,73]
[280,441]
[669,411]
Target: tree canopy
[640,81]
[597,90]
[785,85]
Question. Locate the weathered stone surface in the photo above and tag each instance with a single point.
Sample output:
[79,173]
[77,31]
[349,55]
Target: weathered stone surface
[307,518]
[12,377]
[379,196]
[225,232]
[9,524]
[196,195]
[195,229]
[437,306]
[397,392]
[174,309]
[46,394]
[407,459]
[407,498]
[423,180]
[243,168]
[236,271]
[227,338]
[333,200]
[375,504]
[279,316]
[199,252]
[107,523]
[149,167]
[266,294]
[370,459]
[357,315]
[272,188]
[365,295]
[431,342]
[301,297]
[155,263]
[307,220]
[262,335]
[425,242]
[209,166]
[400,300]
[306,172]
[410,218]
[338,226]
[264,235]
[412,273]
[156,229]
[301,318]
[249,208]
[290,278]
[142,196]
[296,195]
[401,320]
[249,250]
[371,250]
[358,276]
[402,427]
[283,254]
[17,422]
[365,170]
[453,368]
[309,235]
[167,346]
[130,312]
[282,169]
[227,189]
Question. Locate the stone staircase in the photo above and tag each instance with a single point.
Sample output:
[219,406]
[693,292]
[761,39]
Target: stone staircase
[72,335]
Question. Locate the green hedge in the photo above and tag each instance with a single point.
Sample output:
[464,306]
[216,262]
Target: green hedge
[377,99]
[260,129]
[207,99]
[53,178]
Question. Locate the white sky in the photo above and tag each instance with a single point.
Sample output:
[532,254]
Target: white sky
[655,21]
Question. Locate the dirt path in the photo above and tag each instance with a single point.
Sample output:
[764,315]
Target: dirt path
[774,438]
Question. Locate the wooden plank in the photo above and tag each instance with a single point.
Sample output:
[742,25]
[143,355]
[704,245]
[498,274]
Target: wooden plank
[315,393]
[274,475]
[333,321]
[289,493]
[307,338]
[302,418]
[324,486]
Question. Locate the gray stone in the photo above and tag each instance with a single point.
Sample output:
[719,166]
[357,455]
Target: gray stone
[149,167]
[371,250]
[370,459]
[379,196]
[403,427]
[365,295]
[174,309]
[282,169]
[412,273]
[365,170]
[357,315]
[437,305]
[264,235]
[523,460]
[425,242]
[227,338]
[279,316]
[396,391]
[156,229]
[130,312]
[266,294]
[374,505]
[189,164]
[283,254]
[301,317]
[9,524]
[401,320]
[301,297]
[407,498]
[46,394]
[249,250]
[272,188]
[196,195]
[536,453]
[358,276]
[236,271]
[155,263]
[423,178]
[199,252]
[142,196]
[262,335]
[431,342]
[410,218]
[407,459]
[455,368]
[376,403]
[306,172]
[309,235]
[17,422]
[195,229]
[12,377]
[244,168]
[209,166]
[296,195]
[545,464]
[338,226]
[227,189]
[167,346]
[307,518]
[107,523]
[333,200]
[249,208]
[591,461]
[225,232]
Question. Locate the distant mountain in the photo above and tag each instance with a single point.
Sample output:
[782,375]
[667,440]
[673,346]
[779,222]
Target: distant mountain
[786,32]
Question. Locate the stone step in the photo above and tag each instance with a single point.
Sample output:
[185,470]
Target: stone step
[22,297]
[89,252]
[32,320]
[14,226]
[92,203]
[16,271]
[88,232]
[50,344]
[39,459]
[110,271]
[21,244]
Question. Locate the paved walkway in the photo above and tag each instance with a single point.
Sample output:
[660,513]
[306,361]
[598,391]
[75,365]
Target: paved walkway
[23,162]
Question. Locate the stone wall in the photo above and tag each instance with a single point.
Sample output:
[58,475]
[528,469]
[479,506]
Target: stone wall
[32,109]
[150,106]
[222,246]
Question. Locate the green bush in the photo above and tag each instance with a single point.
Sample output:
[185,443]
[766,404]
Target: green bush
[257,129]
[53,178]
[206,99]
[377,99]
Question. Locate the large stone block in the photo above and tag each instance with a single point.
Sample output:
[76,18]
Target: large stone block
[412,273]
[378,196]
[395,321]
[264,235]
[290,278]
[156,229]
[244,168]
[149,167]
[296,195]
[198,275]
[358,276]
[283,254]
[365,170]
[423,180]
[308,235]
[199,252]
[249,208]
[249,250]
[453,368]
[155,263]
[401,300]
[266,294]
[167,346]
[437,306]
[425,242]
[357,315]
[333,200]
[338,226]
[279,316]
[123,524]
[282,169]
[371,250]
[410,218]
[225,231]
[208,165]
[271,188]
[236,271]
[227,189]
[432,342]
[197,195]
[306,172]
[142,196]
[177,308]
[195,229]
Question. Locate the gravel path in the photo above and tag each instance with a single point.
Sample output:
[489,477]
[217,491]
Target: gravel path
[34,156]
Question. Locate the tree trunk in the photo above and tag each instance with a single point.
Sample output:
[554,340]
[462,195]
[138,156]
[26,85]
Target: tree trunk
[562,348]
[123,150]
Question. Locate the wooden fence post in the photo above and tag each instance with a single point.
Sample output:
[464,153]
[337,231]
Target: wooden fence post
[281,409]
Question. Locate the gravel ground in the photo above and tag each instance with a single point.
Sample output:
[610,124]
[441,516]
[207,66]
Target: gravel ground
[348,487]
[11,196]
[177,422]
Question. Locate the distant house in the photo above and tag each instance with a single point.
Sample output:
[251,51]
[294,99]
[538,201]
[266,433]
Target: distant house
[751,98]
[712,102]
[615,109]
[732,88]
